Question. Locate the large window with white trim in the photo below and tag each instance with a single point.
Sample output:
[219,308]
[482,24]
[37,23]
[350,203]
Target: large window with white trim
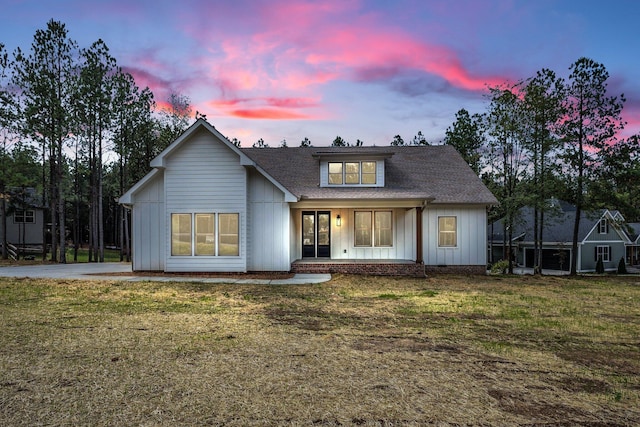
[205,234]
[373,228]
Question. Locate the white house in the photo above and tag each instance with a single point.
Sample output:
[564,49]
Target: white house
[209,206]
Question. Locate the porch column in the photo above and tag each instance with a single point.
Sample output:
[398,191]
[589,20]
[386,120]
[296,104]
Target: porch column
[419,257]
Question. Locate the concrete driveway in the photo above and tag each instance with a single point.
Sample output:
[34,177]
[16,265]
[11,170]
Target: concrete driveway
[100,271]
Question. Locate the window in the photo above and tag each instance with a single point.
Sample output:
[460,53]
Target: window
[228,239]
[382,227]
[369,173]
[352,173]
[603,252]
[335,173]
[22,216]
[377,221]
[204,238]
[181,234]
[363,229]
[205,234]
[447,231]
[603,226]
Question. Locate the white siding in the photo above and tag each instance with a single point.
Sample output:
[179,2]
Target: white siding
[204,175]
[471,236]
[149,227]
[268,226]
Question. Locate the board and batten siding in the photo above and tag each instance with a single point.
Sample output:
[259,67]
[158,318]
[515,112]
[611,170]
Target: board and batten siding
[471,248]
[148,226]
[205,176]
[268,226]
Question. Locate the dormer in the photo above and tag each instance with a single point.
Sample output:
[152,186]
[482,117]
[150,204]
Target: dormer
[357,168]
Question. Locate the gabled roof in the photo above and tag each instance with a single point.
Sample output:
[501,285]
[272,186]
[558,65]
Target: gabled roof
[558,227]
[158,163]
[435,173]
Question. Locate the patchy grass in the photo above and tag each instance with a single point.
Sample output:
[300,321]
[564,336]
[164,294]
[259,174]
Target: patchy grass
[353,351]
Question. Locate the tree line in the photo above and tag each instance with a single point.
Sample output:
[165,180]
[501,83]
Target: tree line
[63,109]
[546,137]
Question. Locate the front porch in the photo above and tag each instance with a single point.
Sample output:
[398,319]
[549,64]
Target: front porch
[371,267]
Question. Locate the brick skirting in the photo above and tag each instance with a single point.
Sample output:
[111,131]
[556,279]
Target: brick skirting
[385,269]
[372,269]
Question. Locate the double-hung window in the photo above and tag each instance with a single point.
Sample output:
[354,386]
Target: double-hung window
[373,228]
[205,234]
[604,253]
[447,232]
[603,226]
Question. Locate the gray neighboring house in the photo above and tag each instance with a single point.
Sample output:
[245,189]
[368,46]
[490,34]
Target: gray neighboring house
[603,233]
[24,223]
[210,206]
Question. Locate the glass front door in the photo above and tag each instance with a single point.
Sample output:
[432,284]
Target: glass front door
[316,234]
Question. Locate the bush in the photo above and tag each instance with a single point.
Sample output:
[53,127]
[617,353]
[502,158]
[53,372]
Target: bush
[599,266]
[622,267]
[500,267]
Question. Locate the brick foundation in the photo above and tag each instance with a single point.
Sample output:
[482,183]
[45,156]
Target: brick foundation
[385,269]
[372,269]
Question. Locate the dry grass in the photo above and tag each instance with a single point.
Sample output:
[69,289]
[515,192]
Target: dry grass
[353,351]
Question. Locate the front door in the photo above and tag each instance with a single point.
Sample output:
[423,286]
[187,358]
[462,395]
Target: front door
[316,234]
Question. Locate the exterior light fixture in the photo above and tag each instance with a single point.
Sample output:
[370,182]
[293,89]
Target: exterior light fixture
[338,221]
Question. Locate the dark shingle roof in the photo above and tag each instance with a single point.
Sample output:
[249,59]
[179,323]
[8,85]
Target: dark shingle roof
[412,172]
[558,225]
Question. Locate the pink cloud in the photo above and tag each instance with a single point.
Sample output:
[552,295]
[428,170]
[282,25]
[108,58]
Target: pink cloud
[268,113]
[295,48]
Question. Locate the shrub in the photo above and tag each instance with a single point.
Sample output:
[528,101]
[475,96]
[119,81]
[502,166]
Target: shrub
[622,267]
[599,266]
[500,267]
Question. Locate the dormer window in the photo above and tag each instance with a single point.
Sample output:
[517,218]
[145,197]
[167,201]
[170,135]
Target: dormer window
[352,173]
[603,226]
[352,167]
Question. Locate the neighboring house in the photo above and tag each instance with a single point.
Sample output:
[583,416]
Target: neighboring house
[24,218]
[210,206]
[633,247]
[602,234]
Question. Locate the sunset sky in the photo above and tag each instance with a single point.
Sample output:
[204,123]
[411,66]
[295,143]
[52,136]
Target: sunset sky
[368,70]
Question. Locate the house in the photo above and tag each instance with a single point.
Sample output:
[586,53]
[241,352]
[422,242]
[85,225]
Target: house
[602,234]
[209,206]
[25,217]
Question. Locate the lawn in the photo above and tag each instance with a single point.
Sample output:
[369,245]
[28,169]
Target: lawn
[364,351]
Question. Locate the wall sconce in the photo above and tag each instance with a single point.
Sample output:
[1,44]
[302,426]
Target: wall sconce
[338,221]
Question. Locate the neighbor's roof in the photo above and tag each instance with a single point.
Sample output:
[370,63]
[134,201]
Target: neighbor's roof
[435,173]
[558,224]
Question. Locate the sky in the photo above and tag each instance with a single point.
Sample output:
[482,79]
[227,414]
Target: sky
[361,69]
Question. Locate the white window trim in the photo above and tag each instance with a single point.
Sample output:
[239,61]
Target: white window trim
[374,243]
[602,226]
[216,234]
[344,173]
[602,250]
[454,232]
